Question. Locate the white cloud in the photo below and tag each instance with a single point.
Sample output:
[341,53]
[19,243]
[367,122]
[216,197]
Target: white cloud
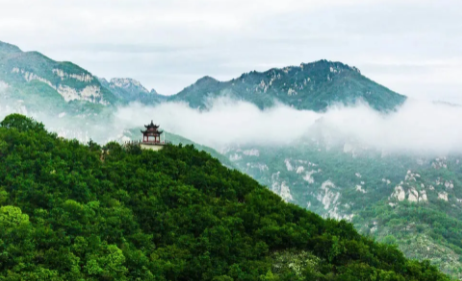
[417,126]
[227,122]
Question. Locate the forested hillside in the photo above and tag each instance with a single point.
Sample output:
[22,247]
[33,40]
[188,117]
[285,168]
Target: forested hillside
[134,134]
[70,212]
[411,200]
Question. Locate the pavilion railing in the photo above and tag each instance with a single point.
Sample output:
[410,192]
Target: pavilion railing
[139,142]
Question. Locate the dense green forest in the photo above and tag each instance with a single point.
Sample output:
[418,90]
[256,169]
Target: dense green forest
[70,211]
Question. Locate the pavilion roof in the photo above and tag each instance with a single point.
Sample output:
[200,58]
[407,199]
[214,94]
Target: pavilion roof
[152,125]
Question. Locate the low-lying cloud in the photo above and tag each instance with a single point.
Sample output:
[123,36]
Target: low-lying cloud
[225,123]
[416,126]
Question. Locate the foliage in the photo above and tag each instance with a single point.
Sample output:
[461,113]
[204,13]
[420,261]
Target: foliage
[134,134]
[177,214]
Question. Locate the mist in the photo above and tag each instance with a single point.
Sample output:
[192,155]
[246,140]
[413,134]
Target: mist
[226,122]
[416,126]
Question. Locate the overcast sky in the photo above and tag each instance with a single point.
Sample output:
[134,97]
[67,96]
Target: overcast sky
[412,47]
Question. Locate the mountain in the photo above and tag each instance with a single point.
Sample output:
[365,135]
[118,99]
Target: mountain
[33,82]
[312,86]
[73,101]
[72,212]
[39,83]
[409,200]
[44,84]
[128,90]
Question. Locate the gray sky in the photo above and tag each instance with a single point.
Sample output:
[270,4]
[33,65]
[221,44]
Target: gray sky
[412,47]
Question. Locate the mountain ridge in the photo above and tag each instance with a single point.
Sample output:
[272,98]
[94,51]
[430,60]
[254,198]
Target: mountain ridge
[312,86]
[309,86]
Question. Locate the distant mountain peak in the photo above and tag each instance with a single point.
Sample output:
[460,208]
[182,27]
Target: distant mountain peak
[320,66]
[127,83]
[129,90]
[206,79]
[9,48]
[102,79]
[332,66]
[313,86]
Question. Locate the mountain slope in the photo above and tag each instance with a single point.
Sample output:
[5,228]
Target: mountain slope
[413,201]
[312,86]
[69,213]
[39,84]
[68,81]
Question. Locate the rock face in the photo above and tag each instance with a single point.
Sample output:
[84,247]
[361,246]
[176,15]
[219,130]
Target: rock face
[128,84]
[328,196]
[281,188]
[443,196]
[410,186]
[89,93]
[79,77]
[399,193]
